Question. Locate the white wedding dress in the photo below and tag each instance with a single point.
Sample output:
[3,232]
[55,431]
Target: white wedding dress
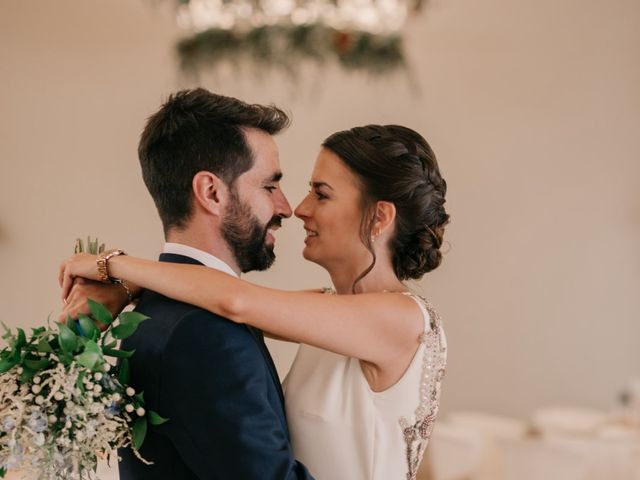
[342,430]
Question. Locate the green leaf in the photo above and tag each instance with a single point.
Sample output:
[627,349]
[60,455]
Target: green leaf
[110,344]
[88,328]
[92,356]
[7,332]
[21,340]
[65,358]
[27,374]
[91,346]
[43,345]
[37,331]
[79,381]
[112,352]
[89,359]
[124,373]
[3,472]
[39,364]
[15,356]
[139,432]
[123,331]
[100,312]
[6,365]
[155,419]
[68,340]
[139,398]
[132,318]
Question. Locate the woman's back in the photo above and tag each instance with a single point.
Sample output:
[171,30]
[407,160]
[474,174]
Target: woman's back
[341,429]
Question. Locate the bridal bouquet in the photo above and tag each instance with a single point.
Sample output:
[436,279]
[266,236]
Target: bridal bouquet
[62,404]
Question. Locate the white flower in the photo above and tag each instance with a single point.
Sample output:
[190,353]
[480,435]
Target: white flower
[130,391]
[37,380]
[140,412]
[39,439]
[58,396]
[36,389]
[8,423]
[116,397]
[52,419]
[97,376]
[129,408]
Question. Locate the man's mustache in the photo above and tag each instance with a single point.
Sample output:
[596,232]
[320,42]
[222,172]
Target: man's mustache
[274,222]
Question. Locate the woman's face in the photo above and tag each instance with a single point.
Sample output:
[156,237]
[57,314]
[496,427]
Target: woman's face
[332,214]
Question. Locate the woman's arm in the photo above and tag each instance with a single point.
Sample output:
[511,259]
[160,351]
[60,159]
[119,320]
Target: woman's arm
[375,327]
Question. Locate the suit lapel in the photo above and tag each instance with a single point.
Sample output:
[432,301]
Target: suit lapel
[257,334]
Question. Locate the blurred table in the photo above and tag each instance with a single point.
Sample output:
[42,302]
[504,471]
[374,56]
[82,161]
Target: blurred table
[557,444]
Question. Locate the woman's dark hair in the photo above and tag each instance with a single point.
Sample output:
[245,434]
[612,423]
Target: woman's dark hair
[197,130]
[395,164]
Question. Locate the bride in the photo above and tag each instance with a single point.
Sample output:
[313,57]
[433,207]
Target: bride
[363,391]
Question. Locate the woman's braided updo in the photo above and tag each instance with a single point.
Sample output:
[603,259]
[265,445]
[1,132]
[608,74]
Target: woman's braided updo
[395,164]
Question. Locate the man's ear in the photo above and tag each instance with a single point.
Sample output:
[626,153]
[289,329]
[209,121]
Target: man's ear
[210,192]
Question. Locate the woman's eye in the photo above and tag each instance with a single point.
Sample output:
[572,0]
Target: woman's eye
[270,189]
[317,194]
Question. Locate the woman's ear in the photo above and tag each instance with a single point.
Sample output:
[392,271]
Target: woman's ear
[210,192]
[385,214]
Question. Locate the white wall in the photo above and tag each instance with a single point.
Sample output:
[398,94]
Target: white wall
[533,108]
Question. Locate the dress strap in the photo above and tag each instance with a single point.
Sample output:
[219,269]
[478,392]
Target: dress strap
[431,317]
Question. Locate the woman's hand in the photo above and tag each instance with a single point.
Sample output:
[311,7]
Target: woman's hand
[79,265]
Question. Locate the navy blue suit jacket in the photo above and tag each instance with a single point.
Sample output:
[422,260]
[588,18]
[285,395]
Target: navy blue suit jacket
[216,382]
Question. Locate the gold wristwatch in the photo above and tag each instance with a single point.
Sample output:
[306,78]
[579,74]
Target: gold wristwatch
[103,265]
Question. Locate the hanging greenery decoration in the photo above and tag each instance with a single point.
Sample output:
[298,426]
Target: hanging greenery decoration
[358,35]
[285,47]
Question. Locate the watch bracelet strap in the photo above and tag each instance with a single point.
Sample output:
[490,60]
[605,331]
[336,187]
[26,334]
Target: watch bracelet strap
[103,265]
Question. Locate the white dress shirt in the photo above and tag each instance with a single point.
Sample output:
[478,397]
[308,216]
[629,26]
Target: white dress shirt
[203,257]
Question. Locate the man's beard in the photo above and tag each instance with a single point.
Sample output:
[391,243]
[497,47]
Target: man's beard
[246,236]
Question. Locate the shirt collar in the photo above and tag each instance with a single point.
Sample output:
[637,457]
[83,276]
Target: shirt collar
[203,257]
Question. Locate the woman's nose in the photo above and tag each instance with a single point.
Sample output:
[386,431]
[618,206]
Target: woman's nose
[302,210]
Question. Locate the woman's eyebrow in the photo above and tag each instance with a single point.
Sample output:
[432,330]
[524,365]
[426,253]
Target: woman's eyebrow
[320,184]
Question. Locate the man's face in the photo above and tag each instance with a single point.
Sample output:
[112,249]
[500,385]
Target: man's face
[256,206]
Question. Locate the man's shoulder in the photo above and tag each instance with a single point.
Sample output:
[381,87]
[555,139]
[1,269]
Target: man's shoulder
[159,307]
[167,316]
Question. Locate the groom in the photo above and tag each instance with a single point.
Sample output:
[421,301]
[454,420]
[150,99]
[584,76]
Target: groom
[212,168]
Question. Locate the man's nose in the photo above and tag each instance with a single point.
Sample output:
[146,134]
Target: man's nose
[282,206]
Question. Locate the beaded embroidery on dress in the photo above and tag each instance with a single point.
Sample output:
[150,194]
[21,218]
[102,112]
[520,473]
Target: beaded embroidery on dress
[417,434]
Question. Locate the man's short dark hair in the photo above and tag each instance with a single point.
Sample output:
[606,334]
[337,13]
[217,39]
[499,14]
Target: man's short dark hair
[197,130]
